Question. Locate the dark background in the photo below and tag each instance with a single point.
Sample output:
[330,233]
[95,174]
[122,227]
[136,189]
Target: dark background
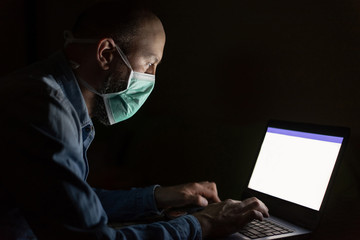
[228,67]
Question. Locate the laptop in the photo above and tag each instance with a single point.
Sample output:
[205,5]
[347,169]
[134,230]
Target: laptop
[293,174]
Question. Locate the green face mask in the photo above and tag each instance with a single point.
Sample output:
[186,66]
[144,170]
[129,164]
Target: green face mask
[124,104]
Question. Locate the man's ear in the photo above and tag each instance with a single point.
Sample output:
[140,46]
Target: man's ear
[105,52]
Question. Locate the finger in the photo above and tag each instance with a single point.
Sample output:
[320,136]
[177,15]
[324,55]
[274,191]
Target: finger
[258,207]
[250,200]
[254,203]
[209,191]
[199,200]
[251,215]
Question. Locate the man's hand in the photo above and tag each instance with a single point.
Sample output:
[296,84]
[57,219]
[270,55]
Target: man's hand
[227,217]
[199,194]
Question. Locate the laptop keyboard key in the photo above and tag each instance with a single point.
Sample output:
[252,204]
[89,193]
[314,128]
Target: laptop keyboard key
[257,229]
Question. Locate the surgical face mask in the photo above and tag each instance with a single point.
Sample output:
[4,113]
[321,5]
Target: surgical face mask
[124,104]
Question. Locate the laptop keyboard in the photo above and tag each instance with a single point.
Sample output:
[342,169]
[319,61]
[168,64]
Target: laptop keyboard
[265,228]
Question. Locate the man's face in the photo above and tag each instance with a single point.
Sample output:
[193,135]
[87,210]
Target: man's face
[145,53]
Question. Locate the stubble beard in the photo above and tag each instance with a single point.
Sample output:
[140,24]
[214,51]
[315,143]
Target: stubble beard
[116,82]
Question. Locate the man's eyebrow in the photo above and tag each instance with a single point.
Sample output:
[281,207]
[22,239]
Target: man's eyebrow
[153,57]
[158,61]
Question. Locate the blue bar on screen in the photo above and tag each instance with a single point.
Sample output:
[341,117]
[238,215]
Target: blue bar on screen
[314,136]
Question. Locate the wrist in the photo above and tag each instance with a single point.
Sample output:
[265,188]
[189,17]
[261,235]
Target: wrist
[158,198]
[205,223]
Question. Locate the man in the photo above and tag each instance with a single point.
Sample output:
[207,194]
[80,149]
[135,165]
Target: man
[106,71]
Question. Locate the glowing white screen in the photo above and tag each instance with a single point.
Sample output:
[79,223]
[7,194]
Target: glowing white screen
[296,169]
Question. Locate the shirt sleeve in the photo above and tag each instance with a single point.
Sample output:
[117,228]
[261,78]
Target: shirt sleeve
[43,174]
[185,227]
[129,205]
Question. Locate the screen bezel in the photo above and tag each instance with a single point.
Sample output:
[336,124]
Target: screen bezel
[297,214]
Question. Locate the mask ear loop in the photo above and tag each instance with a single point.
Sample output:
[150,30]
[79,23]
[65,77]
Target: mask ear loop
[126,61]
[69,38]
[123,57]
[90,88]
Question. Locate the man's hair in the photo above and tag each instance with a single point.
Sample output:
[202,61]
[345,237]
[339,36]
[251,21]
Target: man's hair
[118,20]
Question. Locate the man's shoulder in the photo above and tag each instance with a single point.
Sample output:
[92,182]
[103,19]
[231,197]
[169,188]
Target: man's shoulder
[37,95]
[38,88]
[40,78]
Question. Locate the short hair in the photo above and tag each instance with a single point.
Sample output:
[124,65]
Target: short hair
[118,20]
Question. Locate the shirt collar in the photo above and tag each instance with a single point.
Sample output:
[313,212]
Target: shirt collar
[71,89]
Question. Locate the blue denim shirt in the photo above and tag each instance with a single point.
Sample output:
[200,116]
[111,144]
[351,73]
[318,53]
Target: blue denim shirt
[46,131]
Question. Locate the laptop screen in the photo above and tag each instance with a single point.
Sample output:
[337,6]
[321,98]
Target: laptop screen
[295,166]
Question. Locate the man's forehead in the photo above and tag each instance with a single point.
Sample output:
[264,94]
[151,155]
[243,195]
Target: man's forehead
[151,53]
[150,44]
